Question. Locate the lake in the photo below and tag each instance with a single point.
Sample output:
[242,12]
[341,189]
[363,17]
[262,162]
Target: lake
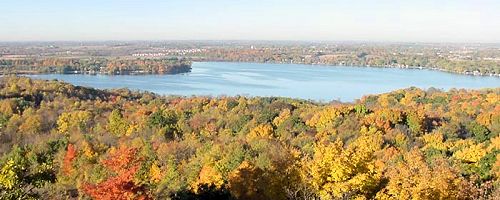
[320,83]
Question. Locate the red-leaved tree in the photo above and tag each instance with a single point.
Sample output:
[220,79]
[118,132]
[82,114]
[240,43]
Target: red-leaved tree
[125,163]
[68,159]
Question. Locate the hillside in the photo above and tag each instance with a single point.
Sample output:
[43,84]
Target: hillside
[60,141]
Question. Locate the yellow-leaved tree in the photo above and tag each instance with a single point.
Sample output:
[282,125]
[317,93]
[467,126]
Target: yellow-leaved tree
[471,154]
[76,120]
[413,178]
[264,131]
[208,178]
[351,172]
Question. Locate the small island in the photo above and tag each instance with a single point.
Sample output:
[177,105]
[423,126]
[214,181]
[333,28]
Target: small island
[95,65]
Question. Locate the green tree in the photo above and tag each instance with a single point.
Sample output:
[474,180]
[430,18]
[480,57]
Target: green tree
[116,124]
[166,121]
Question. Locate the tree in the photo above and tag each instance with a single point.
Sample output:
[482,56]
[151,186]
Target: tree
[166,121]
[413,178]
[68,159]
[76,120]
[208,178]
[116,124]
[261,131]
[347,173]
[245,182]
[415,121]
[32,123]
[471,154]
[125,163]
[21,173]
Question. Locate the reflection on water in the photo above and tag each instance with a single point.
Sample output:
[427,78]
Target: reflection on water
[321,83]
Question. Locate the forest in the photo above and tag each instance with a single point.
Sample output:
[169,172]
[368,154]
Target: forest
[148,56]
[94,65]
[59,141]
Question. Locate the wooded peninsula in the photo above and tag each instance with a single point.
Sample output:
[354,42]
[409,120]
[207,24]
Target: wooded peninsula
[108,66]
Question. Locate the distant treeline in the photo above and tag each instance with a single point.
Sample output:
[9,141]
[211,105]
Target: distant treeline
[359,57]
[95,66]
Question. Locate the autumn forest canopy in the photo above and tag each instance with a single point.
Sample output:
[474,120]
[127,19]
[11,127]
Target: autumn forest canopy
[61,141]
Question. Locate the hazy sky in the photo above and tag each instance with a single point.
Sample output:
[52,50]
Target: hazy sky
[339,20]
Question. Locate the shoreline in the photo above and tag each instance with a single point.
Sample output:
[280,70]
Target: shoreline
[362,66]
[185,70]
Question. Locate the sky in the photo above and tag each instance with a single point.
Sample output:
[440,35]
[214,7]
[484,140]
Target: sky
[332,20]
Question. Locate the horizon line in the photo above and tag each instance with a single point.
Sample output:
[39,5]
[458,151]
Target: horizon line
[246,40]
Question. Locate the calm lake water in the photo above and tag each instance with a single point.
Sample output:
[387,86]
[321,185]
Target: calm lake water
[320,83]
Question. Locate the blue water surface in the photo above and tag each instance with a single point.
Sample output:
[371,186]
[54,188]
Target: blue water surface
[320,83]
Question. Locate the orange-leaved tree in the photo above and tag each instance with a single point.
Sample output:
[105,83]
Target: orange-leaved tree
[68,159]
[124,162]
